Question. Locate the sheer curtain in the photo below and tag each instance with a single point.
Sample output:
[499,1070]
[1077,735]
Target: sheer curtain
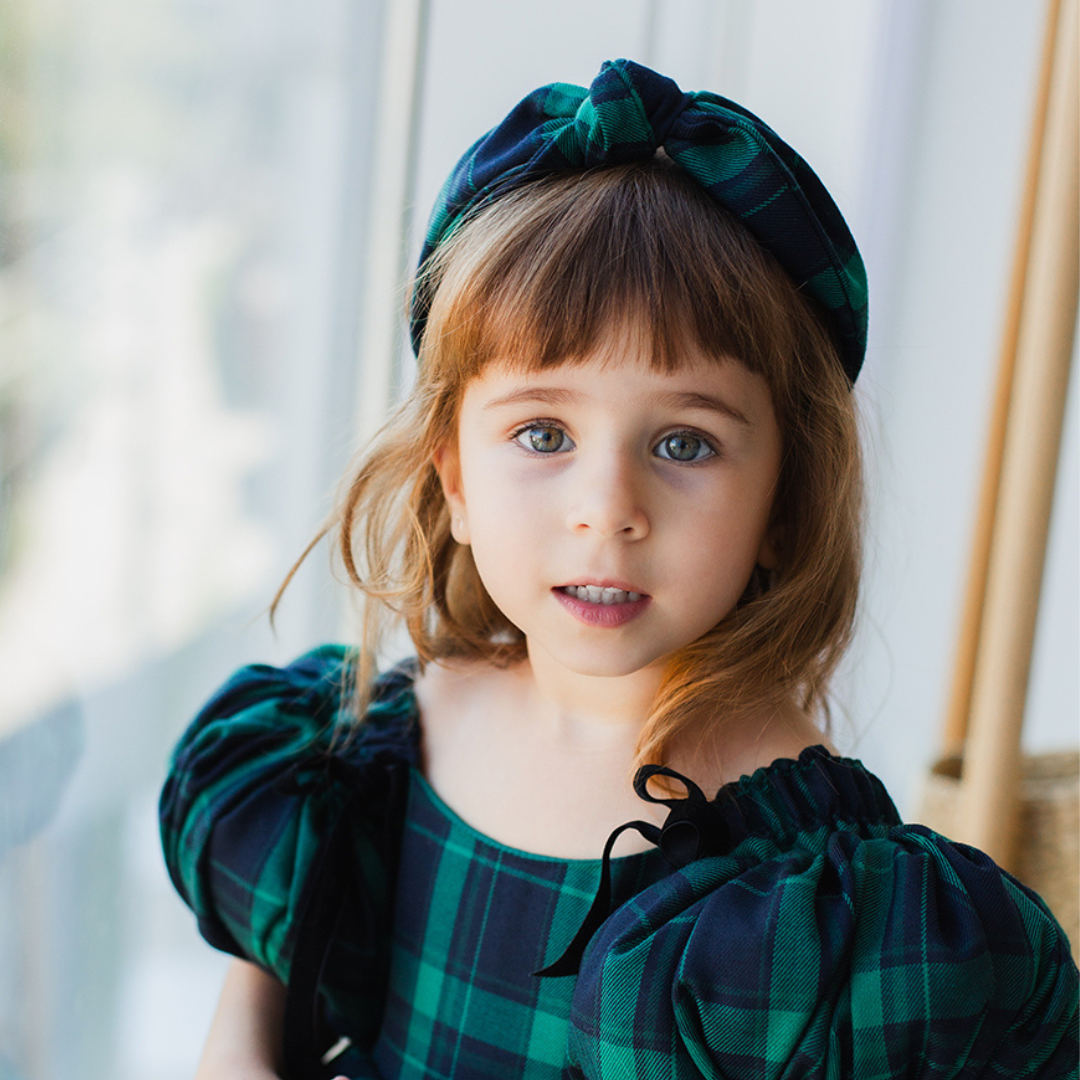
[183,214]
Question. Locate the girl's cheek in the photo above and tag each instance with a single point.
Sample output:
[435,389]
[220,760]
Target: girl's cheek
[528,474]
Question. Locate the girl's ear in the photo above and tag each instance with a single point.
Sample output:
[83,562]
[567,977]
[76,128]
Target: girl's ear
[446,463]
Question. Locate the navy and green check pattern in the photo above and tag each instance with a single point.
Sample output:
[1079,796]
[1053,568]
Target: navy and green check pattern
[830,940]
[628,113]
[256,784]
[473,920]
[826,940]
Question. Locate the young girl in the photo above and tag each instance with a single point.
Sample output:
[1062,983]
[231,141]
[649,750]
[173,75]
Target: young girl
[619,515]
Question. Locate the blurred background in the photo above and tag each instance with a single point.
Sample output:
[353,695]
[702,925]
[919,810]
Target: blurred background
[207,208]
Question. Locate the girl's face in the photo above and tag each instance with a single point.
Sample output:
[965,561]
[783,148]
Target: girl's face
[615,513]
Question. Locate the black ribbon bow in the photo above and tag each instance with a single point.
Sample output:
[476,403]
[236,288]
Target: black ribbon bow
[693,830]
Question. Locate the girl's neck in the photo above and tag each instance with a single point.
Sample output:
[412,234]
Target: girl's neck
[522,770]
[582,710]
[565,703]
[526,764]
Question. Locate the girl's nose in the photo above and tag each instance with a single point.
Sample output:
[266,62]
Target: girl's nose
[608,499]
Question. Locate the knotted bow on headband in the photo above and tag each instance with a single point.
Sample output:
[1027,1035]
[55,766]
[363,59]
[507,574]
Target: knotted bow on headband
[626,115]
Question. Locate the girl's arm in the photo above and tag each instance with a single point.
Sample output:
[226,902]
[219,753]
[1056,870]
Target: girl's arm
[245,1037]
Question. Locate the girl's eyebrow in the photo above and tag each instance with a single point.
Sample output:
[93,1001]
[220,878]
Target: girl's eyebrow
[549,395]
[692,399]
[685,399]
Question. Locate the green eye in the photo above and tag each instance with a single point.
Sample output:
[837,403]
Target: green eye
[682,446]
[542,438]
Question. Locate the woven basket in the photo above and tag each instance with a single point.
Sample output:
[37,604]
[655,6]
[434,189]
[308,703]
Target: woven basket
[1049,827]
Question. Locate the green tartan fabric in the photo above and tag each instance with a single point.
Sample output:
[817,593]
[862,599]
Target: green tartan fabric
[825,939]
[628,113]
[473,920]
[256,784]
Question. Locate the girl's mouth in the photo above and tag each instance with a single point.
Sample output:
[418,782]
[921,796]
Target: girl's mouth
[596,594]
[602,606]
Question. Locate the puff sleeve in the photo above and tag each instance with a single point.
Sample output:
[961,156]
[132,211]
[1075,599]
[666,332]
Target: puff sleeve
[269,767]
[828,941]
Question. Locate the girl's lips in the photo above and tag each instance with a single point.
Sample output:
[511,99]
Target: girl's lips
[600,614]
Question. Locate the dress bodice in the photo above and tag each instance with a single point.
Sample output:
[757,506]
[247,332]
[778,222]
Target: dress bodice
[473,920]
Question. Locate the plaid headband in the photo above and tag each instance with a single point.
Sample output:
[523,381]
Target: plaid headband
[626,115]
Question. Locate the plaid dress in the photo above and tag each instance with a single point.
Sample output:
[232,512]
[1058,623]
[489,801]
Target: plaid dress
[473,919]
[822,938]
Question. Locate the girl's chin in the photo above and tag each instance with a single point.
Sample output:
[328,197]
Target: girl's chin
[594,664]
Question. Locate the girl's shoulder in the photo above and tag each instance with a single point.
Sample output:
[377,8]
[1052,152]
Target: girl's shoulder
[303,715]
[262,775]
[817,928]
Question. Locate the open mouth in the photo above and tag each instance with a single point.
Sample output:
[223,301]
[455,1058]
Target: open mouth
[596,594]
[602,606]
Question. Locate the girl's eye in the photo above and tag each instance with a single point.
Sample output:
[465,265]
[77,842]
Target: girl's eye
[682,446]
[543,438]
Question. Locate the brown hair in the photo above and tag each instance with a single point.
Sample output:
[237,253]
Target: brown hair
[540,276]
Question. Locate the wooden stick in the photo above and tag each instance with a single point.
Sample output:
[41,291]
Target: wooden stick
[1032,442]
[958,708]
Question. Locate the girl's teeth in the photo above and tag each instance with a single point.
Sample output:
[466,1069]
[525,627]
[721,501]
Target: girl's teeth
[593,594]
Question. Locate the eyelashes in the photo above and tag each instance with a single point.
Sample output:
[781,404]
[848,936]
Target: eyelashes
[546,437]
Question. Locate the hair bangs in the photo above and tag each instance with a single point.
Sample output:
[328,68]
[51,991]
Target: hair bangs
[550,273]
